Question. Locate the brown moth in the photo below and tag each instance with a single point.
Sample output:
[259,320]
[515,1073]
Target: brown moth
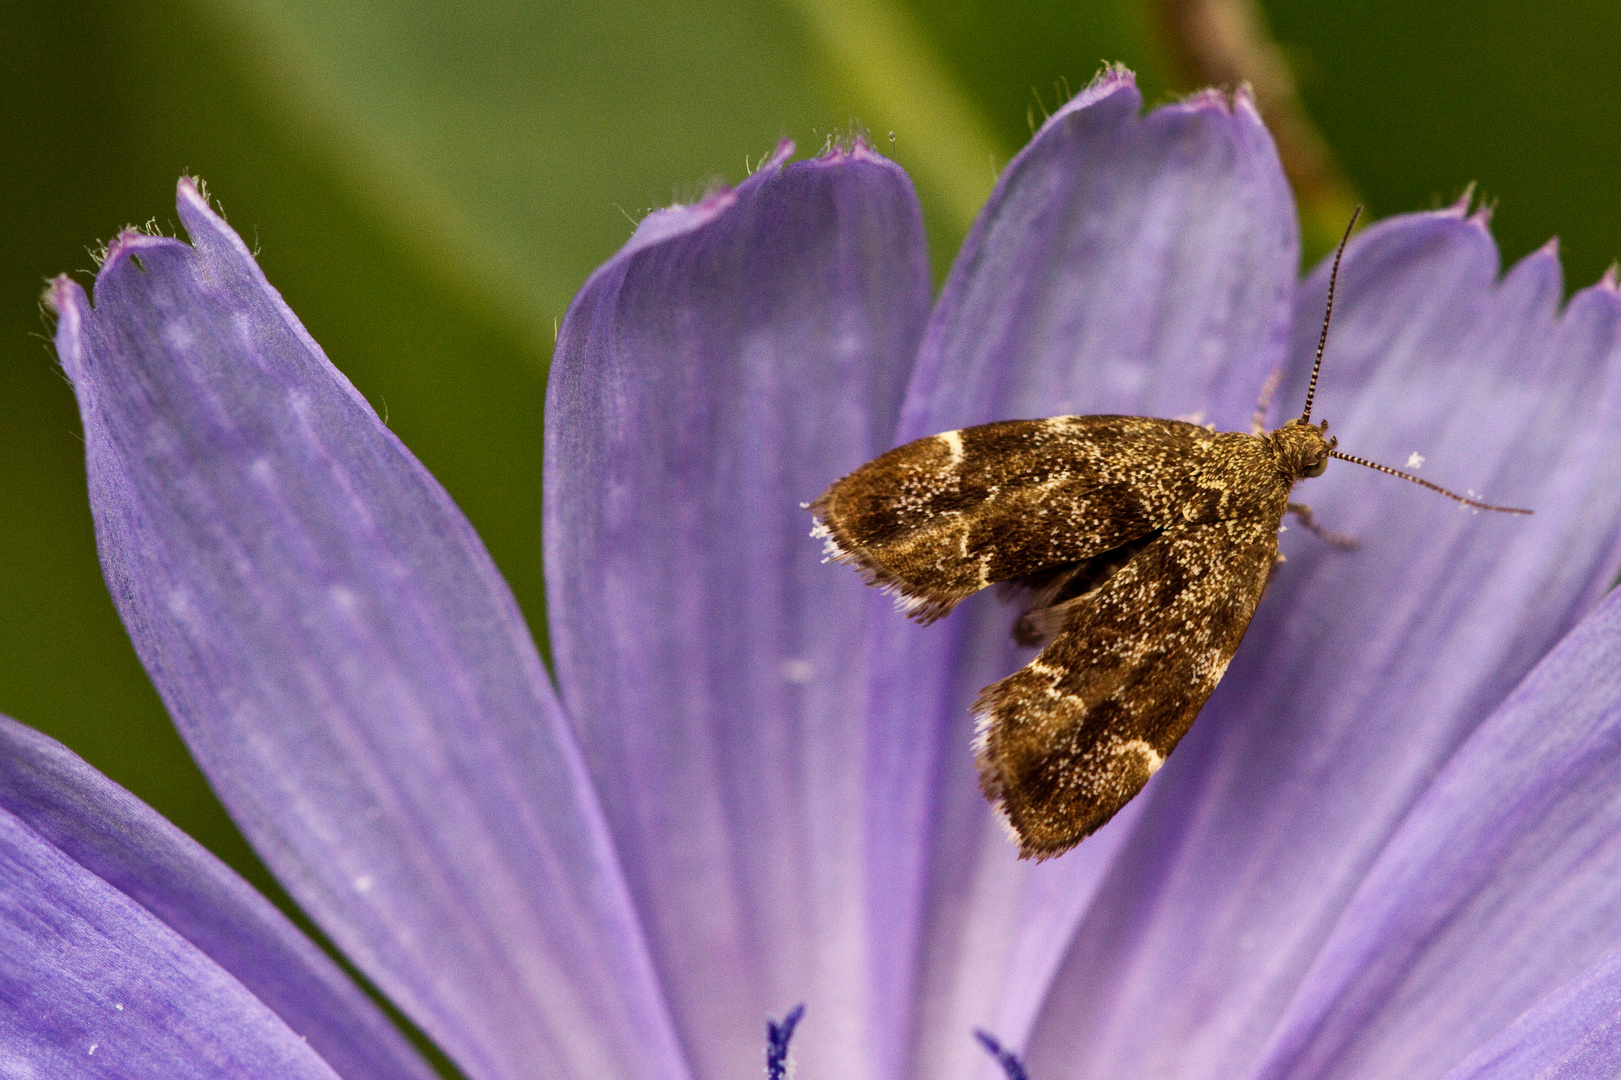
[1142,547]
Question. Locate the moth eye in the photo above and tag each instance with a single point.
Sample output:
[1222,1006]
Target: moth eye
[1317,467]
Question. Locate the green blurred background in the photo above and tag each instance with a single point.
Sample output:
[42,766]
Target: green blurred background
[429,182]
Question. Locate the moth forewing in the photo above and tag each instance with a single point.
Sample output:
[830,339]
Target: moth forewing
[938,519]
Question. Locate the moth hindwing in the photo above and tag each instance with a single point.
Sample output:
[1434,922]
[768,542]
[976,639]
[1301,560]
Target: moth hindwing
[1144,544]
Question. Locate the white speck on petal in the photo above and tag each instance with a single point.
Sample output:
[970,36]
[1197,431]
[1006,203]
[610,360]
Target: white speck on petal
[1415,460]
[179,604]
[364,883]
[798,672]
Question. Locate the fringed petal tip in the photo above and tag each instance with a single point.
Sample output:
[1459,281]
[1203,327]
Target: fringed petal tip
[1218,100]
[669,222]
[856,147]
[1466,215]
[127,247]
[1600,300]
[1459,209]
[193,189]
[197,210]
[130,242]
[779,157]
[1465,209]
[64,298]
[212,236]
[1111,79]
[1540,266]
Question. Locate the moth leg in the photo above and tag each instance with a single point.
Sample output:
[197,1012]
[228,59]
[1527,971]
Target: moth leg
[1268,388]
[1040,589]
[1040,625]
[1302,514]
[1036,595]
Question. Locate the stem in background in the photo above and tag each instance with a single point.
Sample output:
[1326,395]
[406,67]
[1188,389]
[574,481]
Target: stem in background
[1227,42]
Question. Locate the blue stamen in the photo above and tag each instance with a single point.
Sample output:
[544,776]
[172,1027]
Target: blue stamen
[776,1044]
[1011,1065]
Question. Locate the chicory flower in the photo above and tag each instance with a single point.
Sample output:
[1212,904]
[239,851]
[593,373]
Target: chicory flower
[1390,846]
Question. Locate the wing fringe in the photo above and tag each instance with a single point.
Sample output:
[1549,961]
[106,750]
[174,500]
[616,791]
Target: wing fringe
[920,608]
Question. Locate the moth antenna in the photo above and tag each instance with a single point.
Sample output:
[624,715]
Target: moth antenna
[1322,339]
[1425,483]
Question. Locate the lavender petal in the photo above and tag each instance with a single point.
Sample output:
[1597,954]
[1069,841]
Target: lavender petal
[1128,264]
[1573,1033]
[1363,672]
[718,374]
[348,667]
[92,985]
[1124,264]
[113,835]
[1474,935]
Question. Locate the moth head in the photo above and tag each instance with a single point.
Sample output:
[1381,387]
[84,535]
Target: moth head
[1302,448]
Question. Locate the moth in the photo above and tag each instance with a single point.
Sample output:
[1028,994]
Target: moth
[1140,547]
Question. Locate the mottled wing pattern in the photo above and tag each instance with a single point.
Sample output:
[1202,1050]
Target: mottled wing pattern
[1066,741]
[938,519]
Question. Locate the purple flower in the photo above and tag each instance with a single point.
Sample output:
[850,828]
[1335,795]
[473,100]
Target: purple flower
[1391,846]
